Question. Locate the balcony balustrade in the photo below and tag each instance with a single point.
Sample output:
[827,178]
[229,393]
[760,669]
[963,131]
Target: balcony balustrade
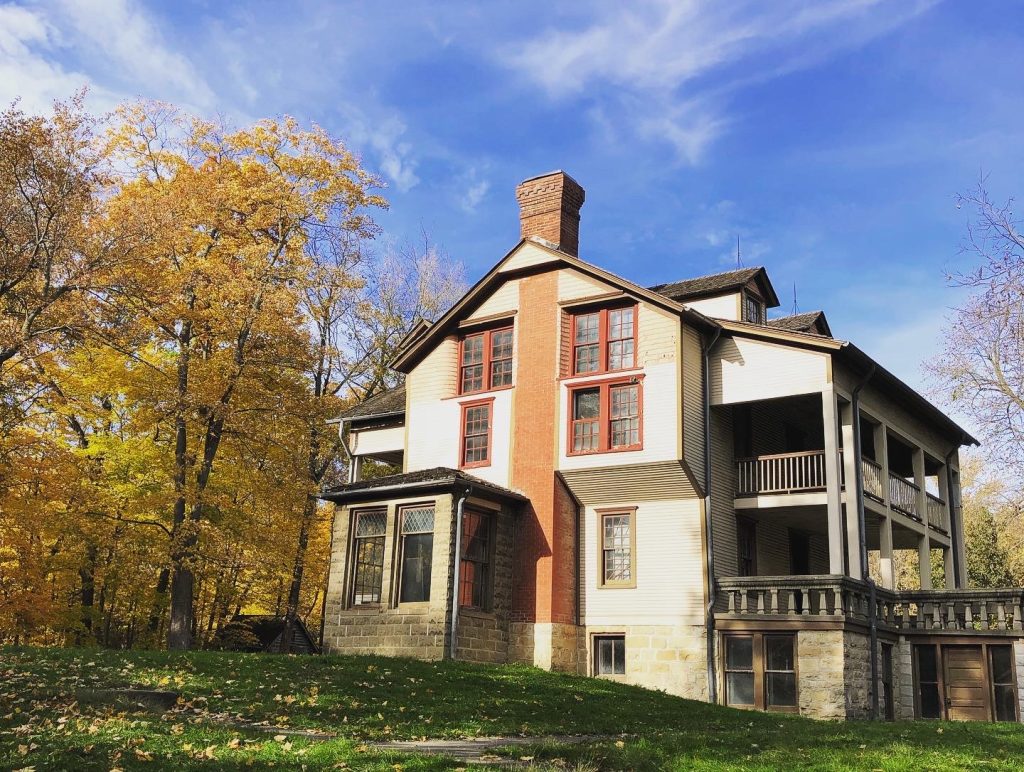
[840,597]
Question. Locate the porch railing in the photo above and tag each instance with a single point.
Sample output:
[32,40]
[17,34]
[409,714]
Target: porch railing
[903,496]
[781,473]
[873,485]
[842,598]
[937,513]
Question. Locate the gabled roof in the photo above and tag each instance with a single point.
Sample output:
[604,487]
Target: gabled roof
[718,283]
[811,321]
[421,480]
[410,353]
[384,403]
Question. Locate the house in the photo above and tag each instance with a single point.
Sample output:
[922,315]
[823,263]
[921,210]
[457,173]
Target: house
[663,486]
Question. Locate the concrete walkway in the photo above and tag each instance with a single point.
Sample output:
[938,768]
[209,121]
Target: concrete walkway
[479,750]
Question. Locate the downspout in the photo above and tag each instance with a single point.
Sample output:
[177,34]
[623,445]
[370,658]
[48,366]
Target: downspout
[456,563]
[709,612]
[859,495]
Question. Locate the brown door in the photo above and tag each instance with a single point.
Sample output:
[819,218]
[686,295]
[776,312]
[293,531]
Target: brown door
[966,684]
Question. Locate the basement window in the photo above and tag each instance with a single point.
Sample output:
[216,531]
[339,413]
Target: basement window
[609,655]
[760,672]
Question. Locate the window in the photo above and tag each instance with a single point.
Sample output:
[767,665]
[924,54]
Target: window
[609,655]
[474,568]
[746,546]
[926,659]
[604,340]
[605,417]
[1004,690]
[368,549]
[760,671]
[753,309]
[485,361]
[617,555]
[476,434]
[417,532]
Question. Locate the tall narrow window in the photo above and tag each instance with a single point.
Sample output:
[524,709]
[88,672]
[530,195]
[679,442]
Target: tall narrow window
[485,361]
[739,670]
[1003,688]
[417,549]
[368,550]
[586,420]
[746,546]
[476,434]
[625,416]
[605,416]
[604,340]
[609,655]
[617,550]
[779,672]
[753,309]
[474,567]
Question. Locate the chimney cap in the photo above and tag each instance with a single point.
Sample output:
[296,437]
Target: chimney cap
[552,173]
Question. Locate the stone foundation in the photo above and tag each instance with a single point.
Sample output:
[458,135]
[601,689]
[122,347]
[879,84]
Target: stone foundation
[546,645]
[821,673]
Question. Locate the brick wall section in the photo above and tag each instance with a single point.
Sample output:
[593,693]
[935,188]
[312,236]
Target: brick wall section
[545,558]
[549,207]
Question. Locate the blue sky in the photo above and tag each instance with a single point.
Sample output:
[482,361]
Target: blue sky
[831,136]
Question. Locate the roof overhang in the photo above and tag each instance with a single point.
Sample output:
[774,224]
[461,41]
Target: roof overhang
[347,494]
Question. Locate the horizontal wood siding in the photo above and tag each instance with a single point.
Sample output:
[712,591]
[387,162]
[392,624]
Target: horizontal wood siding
[526,256]
[743,370]
[504,299]
[720,307]
[669,584]
[693,402]
[371,441]
[635,482]
[723,490]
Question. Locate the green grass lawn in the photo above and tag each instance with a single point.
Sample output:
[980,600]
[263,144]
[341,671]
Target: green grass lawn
[50,719]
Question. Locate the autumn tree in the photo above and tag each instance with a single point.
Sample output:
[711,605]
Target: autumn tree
[212,307]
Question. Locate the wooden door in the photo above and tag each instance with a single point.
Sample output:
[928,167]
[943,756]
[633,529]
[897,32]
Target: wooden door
[966,684]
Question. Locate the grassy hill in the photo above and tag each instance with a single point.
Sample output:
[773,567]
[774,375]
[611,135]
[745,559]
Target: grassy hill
[55,714]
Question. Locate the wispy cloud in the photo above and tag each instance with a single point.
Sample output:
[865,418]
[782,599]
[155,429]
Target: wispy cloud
[656,58]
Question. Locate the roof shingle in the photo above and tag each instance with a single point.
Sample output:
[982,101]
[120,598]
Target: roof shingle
[701,286]
[384,403]
[813,322]
[438,474]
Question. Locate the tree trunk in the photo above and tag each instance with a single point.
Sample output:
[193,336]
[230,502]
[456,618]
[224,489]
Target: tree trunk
[294,591]
[87,576]
[179,634]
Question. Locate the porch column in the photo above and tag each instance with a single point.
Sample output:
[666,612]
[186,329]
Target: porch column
[922,496]
[851,467]
[885,563]
[833,492]
[882,457]
[355,469]
[924,561]
[955,511]
[948,569]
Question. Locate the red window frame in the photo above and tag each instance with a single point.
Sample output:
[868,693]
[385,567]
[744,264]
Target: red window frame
[604,339]
[466,407]
[488,359]
[604,389]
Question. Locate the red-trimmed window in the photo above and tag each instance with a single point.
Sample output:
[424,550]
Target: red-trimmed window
[485,360]
[605,416]
[604,340]
[476,434]
[475,565]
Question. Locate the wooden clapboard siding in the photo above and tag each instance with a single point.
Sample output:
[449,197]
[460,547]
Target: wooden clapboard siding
[744,370]
[370,441]
[693,401]
[527,256]
[669,581]
[719,307]
[504,299]
[723,491]
[636,482]
[573,285]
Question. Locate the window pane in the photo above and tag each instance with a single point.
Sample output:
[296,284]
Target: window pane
[587,328]
[778,652]
[472,378]
[501,373]
[474,568]
[369,573]
[739,653]
[1006,703]
[501,344]
[1002,664]
[476,434]
[586,403]
[739,688]
[620,354]
[473,350]
[927,669]
[610,655]
[416,552]
[625,409]
[585,435]
[587,358]
[620,324]
[619,656]
[781,689]
[371,523]
[419,520]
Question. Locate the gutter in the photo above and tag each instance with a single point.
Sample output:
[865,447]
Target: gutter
[862,531]
[456,568]
[709,611]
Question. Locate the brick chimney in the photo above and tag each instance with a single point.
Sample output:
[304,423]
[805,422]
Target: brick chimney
[549,207]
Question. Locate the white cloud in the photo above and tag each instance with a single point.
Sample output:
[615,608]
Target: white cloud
[656,58]
[473,190]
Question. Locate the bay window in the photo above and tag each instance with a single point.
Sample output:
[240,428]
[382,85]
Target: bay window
[417,548]
[368,549]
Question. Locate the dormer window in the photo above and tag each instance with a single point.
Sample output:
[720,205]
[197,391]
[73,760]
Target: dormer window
[604,340]
[485,360]
[753,309]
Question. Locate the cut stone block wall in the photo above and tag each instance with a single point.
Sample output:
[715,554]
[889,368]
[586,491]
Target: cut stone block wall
[821,666]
